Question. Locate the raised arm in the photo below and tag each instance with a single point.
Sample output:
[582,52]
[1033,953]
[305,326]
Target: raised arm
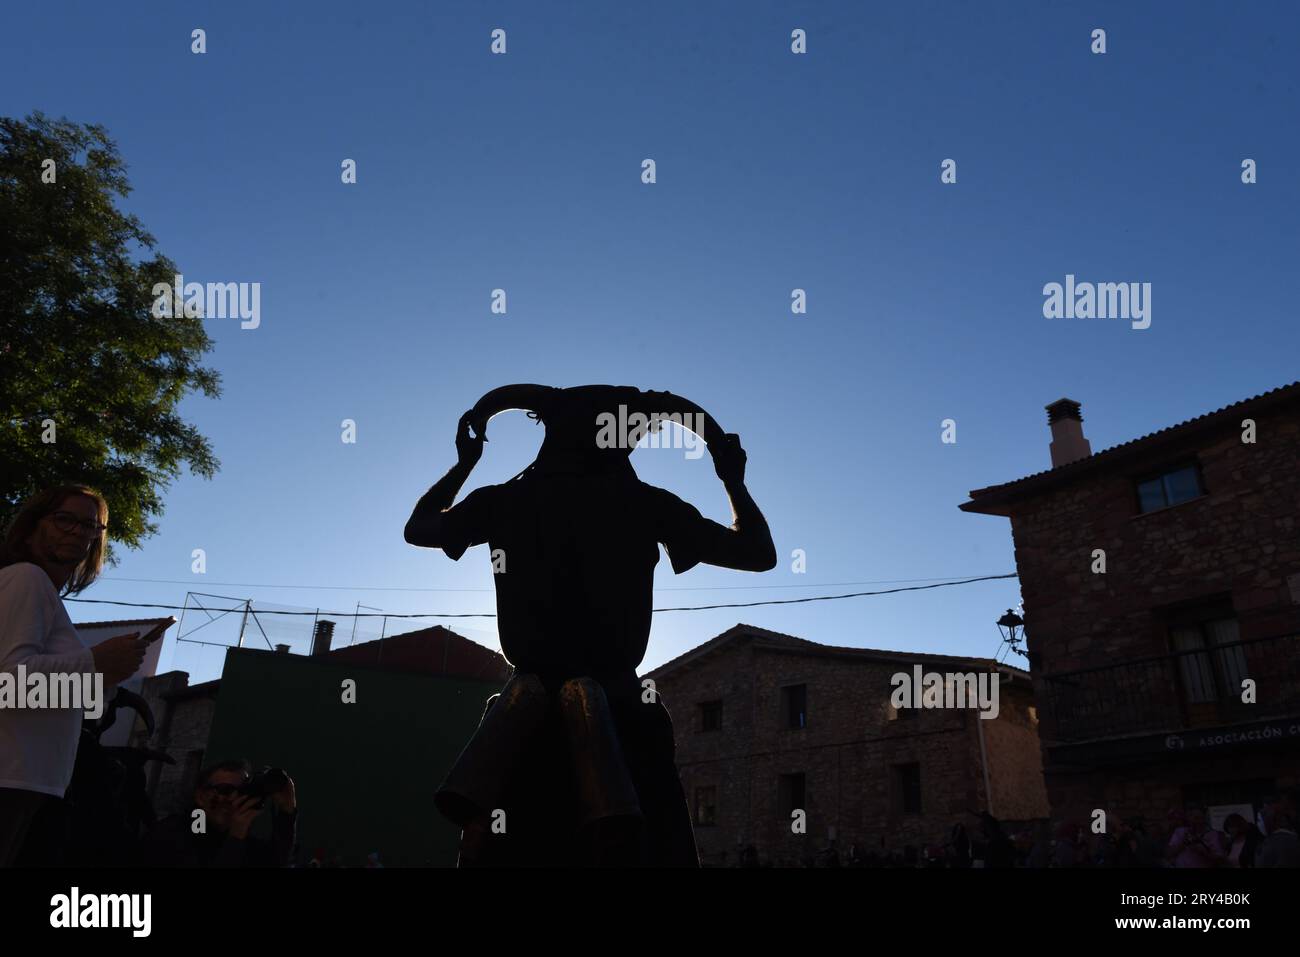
[747,545]
[424,527]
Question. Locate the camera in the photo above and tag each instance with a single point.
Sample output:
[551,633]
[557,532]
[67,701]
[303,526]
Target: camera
[263,784]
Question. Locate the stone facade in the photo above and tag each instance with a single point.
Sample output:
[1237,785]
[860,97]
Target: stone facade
[182,720]
[854,752]
[1124,727]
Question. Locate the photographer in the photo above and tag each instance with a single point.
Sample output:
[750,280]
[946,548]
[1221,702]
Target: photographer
[230,800]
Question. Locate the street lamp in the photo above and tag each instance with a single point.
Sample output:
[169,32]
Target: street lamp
[1012,628]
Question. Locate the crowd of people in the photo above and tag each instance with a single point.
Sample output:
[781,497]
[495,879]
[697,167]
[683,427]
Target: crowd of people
[1183,840]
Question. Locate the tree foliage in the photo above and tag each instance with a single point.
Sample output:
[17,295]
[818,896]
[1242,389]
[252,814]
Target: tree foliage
[79,344]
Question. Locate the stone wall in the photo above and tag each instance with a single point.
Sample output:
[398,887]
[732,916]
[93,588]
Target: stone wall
[850,752]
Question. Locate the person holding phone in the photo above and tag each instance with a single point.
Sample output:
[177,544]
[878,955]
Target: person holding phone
[54,547]
[1195,845]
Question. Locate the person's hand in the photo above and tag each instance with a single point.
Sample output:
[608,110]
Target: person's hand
[119,658]
[286,799]
[243,811]
[469,447]
[729,459]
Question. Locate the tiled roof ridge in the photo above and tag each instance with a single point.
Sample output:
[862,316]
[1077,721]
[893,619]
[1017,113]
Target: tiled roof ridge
[741,629]
[1202,419]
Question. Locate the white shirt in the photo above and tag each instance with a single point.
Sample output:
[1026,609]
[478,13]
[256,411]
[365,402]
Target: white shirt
[38,746]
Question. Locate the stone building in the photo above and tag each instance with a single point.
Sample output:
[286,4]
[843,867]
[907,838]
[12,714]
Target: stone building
[767,724]
[182,719]
[1161,585]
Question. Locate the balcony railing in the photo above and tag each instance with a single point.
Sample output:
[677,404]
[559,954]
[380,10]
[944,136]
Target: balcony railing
[1175,691]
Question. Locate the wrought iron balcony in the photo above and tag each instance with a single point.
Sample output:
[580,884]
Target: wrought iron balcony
[1172,692]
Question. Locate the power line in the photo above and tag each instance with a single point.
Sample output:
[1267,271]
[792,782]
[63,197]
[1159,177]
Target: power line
[268,611]
[858,594]
[190,581]
[749,604]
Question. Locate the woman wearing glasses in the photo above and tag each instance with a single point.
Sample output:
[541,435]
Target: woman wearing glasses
[54,547]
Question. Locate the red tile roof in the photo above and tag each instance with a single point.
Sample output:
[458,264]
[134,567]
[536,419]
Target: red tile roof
[775,640]
[435,650]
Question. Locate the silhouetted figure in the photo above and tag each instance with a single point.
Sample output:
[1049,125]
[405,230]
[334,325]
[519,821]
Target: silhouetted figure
[998,849]
[1066,850]
[1243,841]
[573,762]
[108,805]
[1040,854]
[1281,848]
[961,846]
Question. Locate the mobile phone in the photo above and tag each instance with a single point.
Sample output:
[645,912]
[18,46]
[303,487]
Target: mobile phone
[156,632]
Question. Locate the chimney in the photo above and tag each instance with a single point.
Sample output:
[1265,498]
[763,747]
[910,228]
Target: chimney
[321,637]
[1068,443]
[281,649]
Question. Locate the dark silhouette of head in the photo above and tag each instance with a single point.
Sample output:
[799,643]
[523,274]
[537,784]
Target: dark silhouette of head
[592,428]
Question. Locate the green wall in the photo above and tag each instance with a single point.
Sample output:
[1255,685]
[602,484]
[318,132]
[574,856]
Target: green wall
[366,772]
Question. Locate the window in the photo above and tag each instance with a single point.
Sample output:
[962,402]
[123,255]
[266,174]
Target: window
[794,706]
[907,782]
[706,806]
[1169,488]
[711,716]
[1214,671]
[791,793]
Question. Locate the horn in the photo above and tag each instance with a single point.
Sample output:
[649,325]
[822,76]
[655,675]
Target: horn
[547,400]
[524,395]
[670,403]
[129,699]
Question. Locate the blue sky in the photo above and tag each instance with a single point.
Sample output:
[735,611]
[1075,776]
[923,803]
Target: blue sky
[775,171]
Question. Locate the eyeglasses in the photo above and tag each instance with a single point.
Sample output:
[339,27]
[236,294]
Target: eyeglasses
[67,522]
[225,790]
